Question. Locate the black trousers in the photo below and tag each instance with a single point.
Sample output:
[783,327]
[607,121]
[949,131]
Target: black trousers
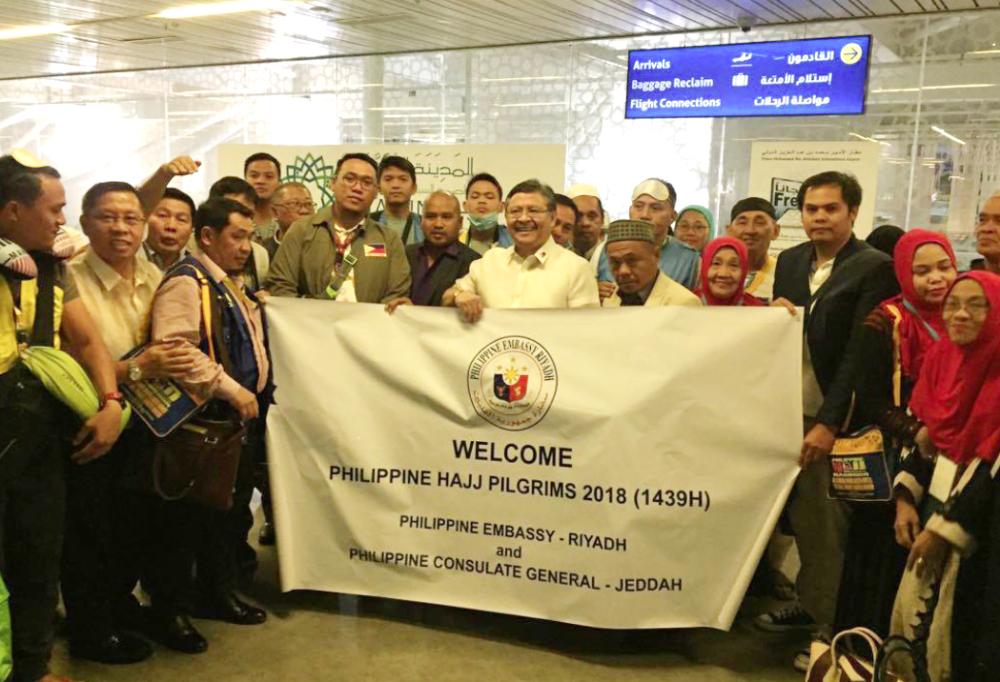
[262,478]
[223,543]
[103,545]
[175,531]
[157,539]
[33,451]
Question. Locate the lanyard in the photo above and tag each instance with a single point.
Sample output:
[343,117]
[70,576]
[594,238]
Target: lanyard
[342,245]
[930,330]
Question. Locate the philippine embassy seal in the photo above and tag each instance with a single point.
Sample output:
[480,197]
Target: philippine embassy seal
[512,382]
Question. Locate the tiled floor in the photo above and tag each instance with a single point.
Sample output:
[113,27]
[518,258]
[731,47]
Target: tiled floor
[313,636]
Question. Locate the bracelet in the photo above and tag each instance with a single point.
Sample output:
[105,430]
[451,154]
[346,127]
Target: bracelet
[114,395]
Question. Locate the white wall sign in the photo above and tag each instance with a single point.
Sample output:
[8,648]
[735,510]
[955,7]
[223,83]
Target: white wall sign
[439,167]
[777,170]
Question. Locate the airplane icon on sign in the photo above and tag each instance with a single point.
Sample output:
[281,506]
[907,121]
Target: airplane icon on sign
[743,58]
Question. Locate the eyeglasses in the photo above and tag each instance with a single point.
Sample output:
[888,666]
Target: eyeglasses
[296,205]
[976,307]
[533,212]
[131,220]
[352,179]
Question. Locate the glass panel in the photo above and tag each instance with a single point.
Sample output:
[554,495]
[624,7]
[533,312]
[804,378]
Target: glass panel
[935,115]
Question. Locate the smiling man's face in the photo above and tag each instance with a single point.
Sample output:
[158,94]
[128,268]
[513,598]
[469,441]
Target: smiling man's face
[529,221]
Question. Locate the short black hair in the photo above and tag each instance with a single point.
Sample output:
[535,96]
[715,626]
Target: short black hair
[483,177]
[215,213]
[752,204]
[94,194]
[850,188]
[399,163]
[261,156]
[884,238]
[360,156]
[178,195]
[21,183]
[563,200]
[232,185]
[535,186]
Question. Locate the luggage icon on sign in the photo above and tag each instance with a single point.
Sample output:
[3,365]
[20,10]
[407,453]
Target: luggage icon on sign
[741,80]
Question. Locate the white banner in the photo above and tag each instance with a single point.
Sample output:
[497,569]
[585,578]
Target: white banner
[778,168]
[445,167]
[614,468]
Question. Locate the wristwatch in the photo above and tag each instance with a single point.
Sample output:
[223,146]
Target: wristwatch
[115,395]
[134,371]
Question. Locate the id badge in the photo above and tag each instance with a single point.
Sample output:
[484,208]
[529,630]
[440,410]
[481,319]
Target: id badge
[943,479]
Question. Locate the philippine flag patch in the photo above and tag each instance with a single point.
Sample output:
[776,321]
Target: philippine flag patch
[375,251]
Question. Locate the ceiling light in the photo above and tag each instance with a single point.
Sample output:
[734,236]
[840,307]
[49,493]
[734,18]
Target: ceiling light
[212,9]
[945,133]
[869,139]
[983,52]
[531,104]
[30,31]
[400,108]
[957,86]
[523,78]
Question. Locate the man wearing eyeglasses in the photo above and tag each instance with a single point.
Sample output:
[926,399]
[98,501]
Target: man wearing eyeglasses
[339,253]
[533,273]
[290,202]
[99,563]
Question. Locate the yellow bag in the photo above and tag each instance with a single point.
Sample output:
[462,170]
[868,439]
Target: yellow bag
[66,380]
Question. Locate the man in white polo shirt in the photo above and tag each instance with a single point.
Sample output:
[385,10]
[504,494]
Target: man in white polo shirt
[533,273]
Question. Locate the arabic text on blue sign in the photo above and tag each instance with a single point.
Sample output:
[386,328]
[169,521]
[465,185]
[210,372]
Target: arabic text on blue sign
[787,78]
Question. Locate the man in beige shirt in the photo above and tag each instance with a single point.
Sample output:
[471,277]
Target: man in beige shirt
[533,273]
[634,260]
[99,570]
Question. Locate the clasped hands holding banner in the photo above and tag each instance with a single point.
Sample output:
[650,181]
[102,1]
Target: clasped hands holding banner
[614,468]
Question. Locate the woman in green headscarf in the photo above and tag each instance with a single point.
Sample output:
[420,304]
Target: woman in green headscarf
[695,226]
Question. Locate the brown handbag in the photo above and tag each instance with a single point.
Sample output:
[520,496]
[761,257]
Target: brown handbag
[199,461]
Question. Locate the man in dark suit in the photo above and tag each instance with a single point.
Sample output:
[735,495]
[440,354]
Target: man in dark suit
[837,279]
[440,259]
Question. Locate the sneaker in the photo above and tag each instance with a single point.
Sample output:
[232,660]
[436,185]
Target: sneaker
[801,661]
[785,619]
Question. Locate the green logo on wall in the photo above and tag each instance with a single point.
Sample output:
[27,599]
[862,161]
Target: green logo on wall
[314,173]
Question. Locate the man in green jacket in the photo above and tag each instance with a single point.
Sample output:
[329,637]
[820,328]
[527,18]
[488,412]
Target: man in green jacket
[339,252]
